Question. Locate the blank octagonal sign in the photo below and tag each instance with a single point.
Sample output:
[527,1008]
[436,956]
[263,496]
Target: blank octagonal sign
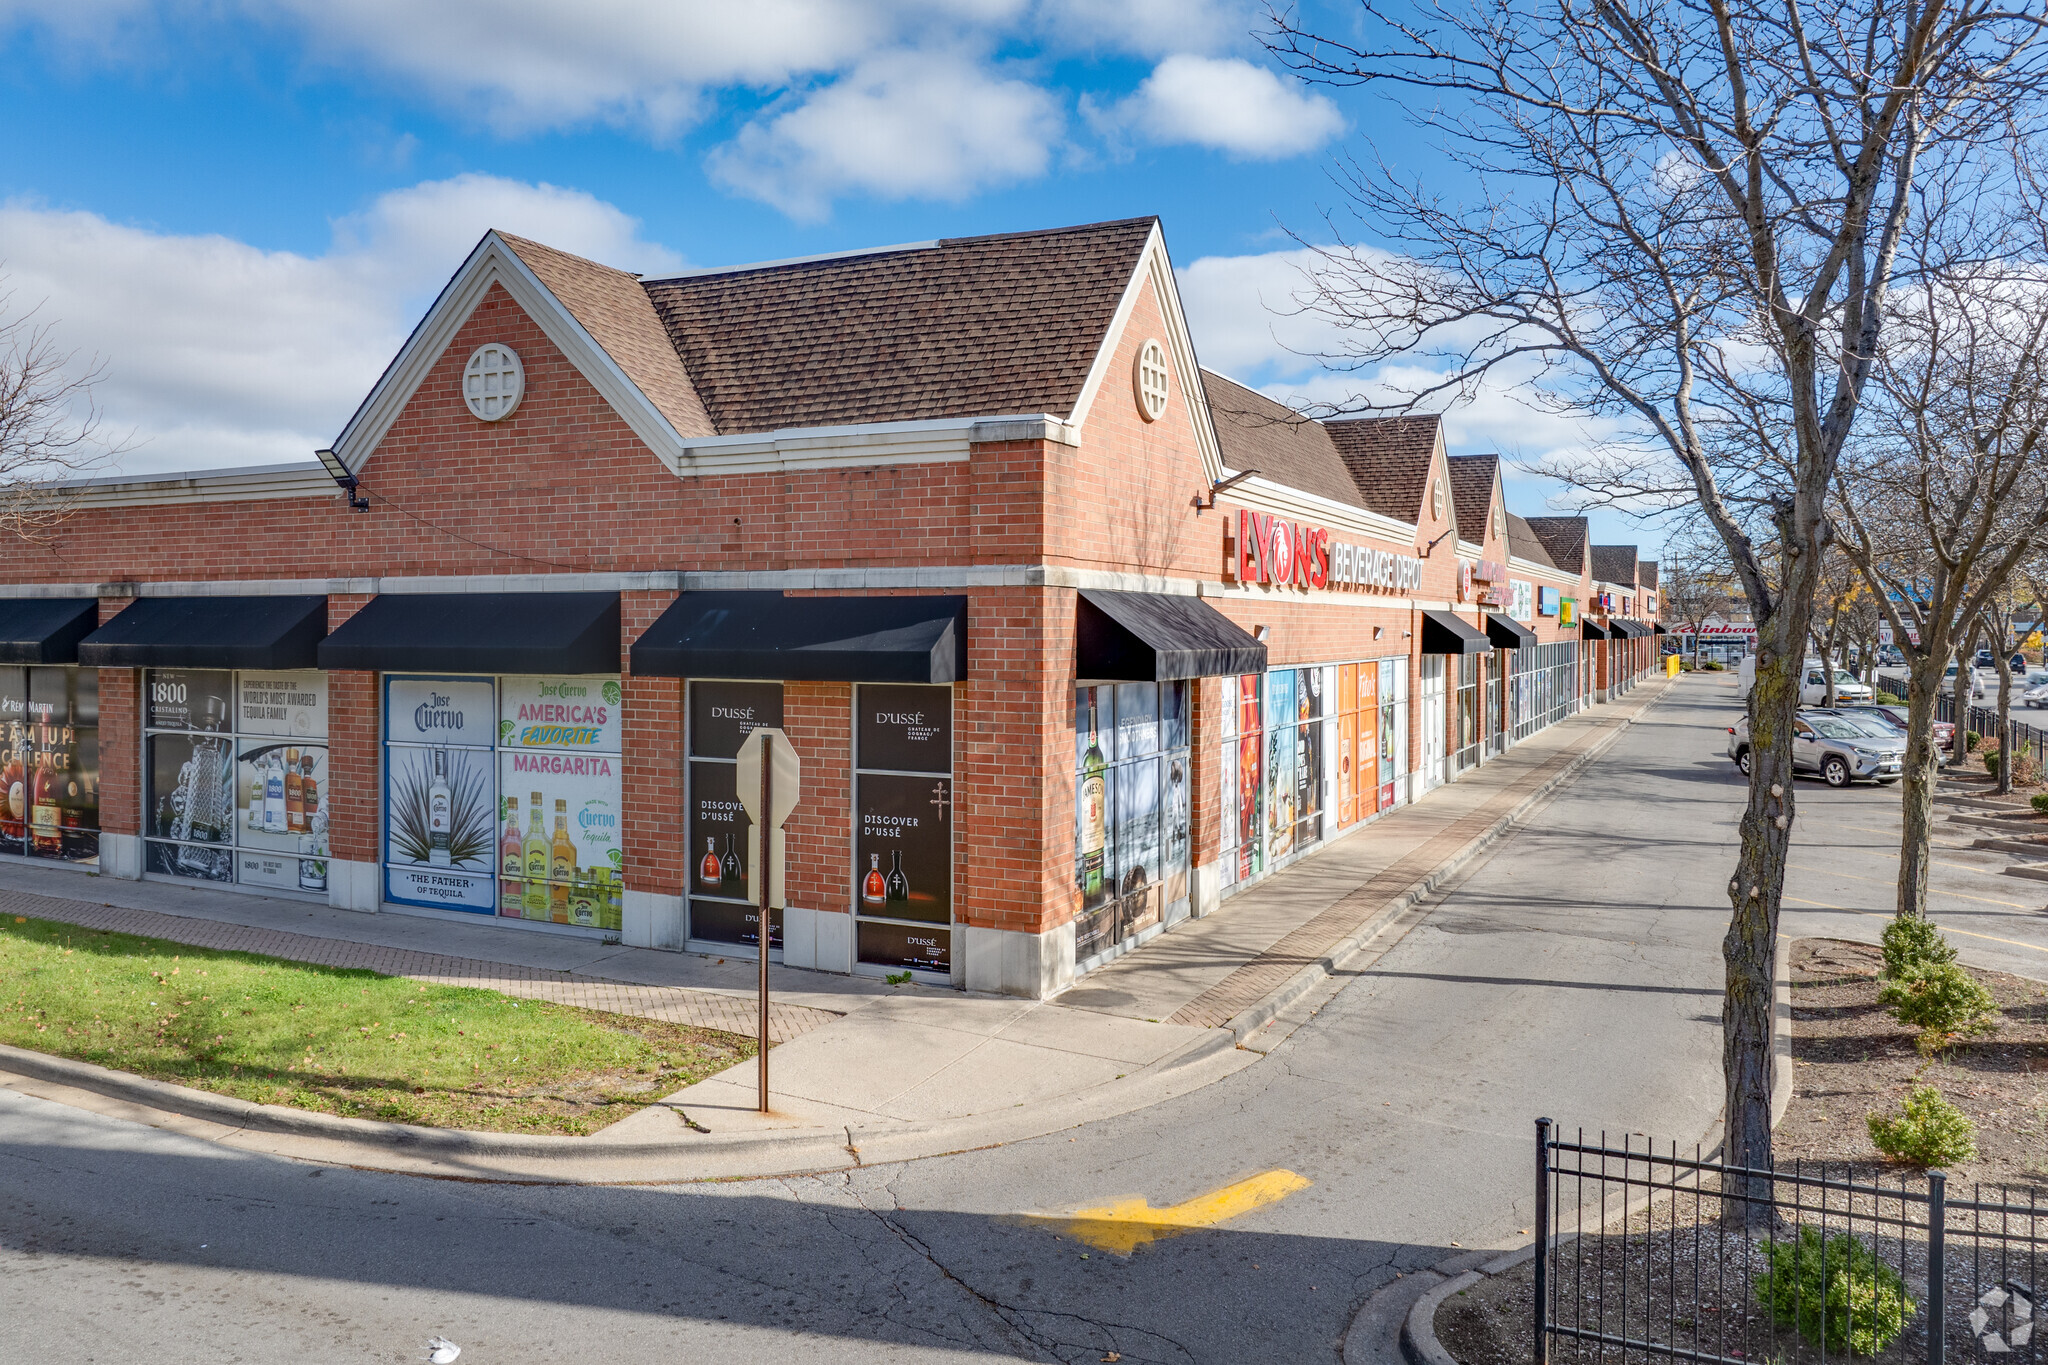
[1148,380]
[493,382]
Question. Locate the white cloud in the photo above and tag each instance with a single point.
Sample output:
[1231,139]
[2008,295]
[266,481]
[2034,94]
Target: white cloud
[1229,105]
[908,125]
[217,352]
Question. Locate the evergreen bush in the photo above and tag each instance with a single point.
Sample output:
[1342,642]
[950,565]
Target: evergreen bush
[1912,941]
[1888,699]
[1941,1000]
[1927,1131]
[1971,739]
[1835,1292]
[2039,802]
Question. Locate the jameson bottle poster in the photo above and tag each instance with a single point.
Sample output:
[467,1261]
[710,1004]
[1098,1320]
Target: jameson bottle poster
[189,699]
[903,848]
[724,713]
[717,833]
[906,729]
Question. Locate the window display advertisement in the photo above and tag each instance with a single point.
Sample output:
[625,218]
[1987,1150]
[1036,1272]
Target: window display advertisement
[49,793]
[715,825]
[559,738]
[282,704]
[903,824]
[1280,753]
[1250,781]
[440,793]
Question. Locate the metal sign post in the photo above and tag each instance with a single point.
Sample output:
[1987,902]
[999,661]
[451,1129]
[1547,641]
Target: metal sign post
[766,779]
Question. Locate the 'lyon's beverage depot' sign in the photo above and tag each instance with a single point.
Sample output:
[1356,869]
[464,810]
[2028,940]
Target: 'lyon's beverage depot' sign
[1261,548]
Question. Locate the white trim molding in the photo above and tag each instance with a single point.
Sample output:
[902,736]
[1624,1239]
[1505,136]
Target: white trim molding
[1266,495]
[303,479]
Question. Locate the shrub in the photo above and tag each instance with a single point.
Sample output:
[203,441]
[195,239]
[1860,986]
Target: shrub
[1711,667]
[1991,761]
[2039,802]
[1971,739]
[1835,1292]
[1941,1000]
[1888,699]
[2026,770]
[1928,1130]
[1912,941]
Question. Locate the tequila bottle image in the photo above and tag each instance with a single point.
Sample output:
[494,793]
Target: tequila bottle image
[729,867]
[259,778]
[273,797]
[561,865]
[898,885]
[535,901]
[874,888]
[583,901]
[707,866]
[294,794]
[309,788]
[1094,812]
[312,871]
[438,816]
[511,862]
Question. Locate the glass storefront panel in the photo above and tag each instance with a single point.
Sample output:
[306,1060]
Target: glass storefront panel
[721,714]
[1131,821]
[502,796]
[902,894]
[236,780]
[51,772]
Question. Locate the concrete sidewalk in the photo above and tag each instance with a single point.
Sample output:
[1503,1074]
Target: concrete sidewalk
[863,1071]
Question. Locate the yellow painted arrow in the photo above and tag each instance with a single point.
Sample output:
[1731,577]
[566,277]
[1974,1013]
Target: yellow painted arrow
[1124,1226]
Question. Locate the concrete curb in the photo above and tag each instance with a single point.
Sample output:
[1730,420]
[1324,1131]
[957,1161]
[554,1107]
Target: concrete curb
[1248,1022]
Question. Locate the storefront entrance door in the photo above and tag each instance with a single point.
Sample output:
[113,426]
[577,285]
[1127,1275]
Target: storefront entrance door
[1433,720]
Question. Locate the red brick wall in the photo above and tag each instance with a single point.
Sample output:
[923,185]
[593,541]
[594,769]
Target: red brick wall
[651,779]
[818,718]
[120,745]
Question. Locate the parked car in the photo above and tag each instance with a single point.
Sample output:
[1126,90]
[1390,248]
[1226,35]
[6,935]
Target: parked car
[1944,730]
[1813,691]
[1984,659]
[2036,696]
[2018,663]
[1840,750]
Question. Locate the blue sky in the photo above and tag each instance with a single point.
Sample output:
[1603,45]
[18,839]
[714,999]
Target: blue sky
[240,208]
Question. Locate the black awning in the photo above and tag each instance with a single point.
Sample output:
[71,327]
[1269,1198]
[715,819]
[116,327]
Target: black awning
[1508,633]
[210,632]
[1445,632]
[1660,628]
[807,639]
[1157,637]
[1632,629]
[1592,630]
[45,630]
[479,632]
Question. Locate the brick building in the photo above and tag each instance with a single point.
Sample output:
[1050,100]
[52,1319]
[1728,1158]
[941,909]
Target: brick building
[1073,638]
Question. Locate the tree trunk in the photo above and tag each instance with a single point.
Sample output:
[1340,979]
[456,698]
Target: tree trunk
[2004,718]
[1966,683]
[1916,787]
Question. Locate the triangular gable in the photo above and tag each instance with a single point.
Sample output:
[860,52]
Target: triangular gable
[495,262]
[1155,267]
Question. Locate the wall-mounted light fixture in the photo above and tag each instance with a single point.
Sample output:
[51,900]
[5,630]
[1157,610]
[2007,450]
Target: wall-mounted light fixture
[1378,632]
[1433,544]
[339,472]
[1200,506]
[1260,633]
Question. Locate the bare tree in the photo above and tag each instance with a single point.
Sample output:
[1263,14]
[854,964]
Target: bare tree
[1945,497]
[51,430]
[1698,583]
[1676,221]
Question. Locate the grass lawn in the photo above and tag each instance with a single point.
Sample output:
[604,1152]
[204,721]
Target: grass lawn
[336,1040]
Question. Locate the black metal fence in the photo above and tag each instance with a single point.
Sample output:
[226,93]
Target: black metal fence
[1645,1255]
[2026,737]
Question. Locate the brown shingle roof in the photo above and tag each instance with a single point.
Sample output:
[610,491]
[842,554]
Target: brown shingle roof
[1257,433]
[975,326]
[1615,564]
[1524,543]
[1565,538]
[1646,572]
[1389,459]
[1472,478]
[615,311]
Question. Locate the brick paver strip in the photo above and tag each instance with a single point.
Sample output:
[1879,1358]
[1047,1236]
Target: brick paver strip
[1313,940]
[673,1004]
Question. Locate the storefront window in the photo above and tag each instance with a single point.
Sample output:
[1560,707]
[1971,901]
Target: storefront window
[503,795]
[1131,836]
[237,777]
[52,766]
[903,827]
[1466,753]
[721,714]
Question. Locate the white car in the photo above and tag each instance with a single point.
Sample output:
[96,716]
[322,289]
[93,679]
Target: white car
[2036,696]
[1813,691]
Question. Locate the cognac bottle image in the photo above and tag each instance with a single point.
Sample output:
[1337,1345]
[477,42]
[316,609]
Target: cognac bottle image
[707,866]
[873,888]
[898,885]
[1094,813]
[729,868]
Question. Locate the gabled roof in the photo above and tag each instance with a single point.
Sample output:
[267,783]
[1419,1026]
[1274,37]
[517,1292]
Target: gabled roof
[1389,459]
[970,326]
[1472,484]
[1646,572]
[1565,538]
[1255,432]
[616,312]
[1615,564]
[1524,543]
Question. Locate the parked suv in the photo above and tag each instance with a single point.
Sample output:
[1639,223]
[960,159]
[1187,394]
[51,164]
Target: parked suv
[1841,747]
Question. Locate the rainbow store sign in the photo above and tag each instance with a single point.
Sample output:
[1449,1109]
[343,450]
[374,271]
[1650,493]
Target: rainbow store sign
[1279,553]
